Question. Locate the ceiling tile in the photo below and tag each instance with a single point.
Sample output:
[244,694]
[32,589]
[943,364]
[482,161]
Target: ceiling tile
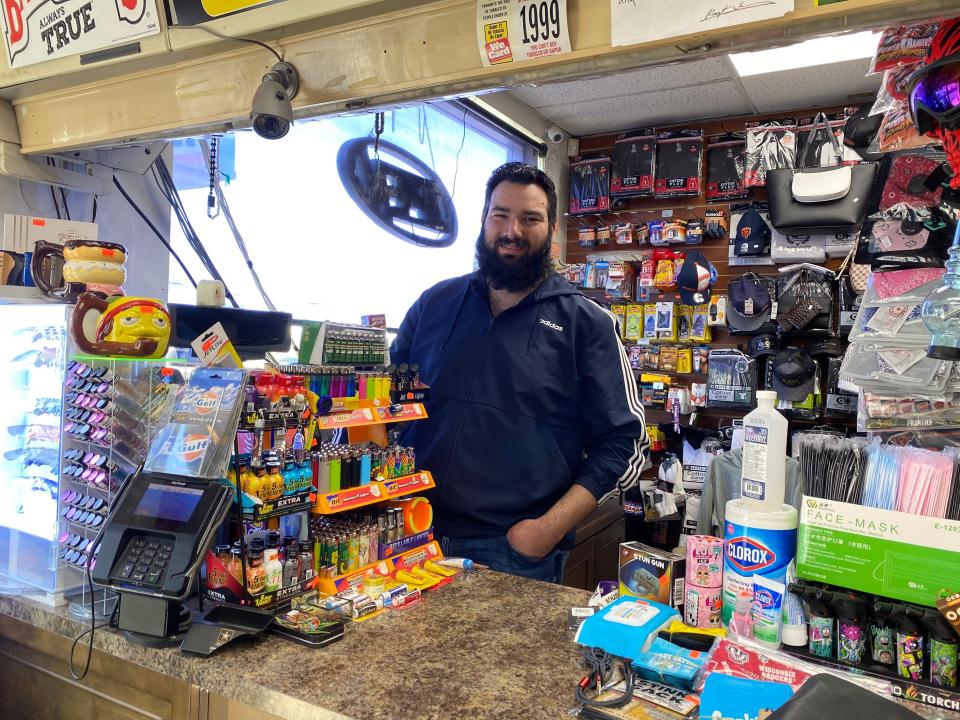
[643,80]
[589,117]
[810,87]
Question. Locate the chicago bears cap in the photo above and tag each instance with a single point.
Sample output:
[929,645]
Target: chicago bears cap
[753,234]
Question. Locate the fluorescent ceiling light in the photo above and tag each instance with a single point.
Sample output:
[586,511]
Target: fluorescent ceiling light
[820,51]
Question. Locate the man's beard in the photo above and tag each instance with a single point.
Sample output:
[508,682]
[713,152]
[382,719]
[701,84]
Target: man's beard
[521,274]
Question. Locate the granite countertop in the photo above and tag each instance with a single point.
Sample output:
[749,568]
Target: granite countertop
[487,646]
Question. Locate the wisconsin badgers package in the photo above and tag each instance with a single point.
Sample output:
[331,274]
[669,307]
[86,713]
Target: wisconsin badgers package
[590,186]
[725,158]
[679,163]
[634,164]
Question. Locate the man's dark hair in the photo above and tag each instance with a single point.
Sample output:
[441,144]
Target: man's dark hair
[522,174]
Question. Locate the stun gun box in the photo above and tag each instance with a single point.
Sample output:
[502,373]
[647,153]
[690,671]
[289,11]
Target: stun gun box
[652,574]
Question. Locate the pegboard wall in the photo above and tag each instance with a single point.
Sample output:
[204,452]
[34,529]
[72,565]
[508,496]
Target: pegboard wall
[637,210]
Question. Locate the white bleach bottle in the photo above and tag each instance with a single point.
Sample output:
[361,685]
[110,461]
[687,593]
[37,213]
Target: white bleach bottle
[762,483]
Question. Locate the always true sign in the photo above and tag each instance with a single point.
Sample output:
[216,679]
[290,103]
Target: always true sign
[39,30]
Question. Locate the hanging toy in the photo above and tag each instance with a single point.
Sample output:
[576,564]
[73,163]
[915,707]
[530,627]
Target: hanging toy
[934,94]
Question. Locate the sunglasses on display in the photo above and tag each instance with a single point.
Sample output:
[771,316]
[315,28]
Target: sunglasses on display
[934,92]
[89,401]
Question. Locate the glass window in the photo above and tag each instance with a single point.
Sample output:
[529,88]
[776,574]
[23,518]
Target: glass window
[317,254]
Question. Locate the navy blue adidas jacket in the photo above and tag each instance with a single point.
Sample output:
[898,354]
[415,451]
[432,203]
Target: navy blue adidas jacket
[521,406]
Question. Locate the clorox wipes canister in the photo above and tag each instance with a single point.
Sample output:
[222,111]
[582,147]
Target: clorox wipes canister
[756,542]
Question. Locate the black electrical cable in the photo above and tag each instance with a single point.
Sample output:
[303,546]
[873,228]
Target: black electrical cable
[53,195]
[170,192]
[94,214]
[238,39]
[601,667]
[155,231]
[63,199]
[93,617]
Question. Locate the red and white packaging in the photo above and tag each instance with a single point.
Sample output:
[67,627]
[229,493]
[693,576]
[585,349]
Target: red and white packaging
[730,658]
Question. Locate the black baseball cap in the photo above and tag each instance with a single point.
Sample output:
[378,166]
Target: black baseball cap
[762,345]
[753,234]
[831,347]
[749,303]
[794,373]
[695,278]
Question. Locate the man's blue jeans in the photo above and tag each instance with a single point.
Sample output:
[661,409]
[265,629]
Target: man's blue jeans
[498,554]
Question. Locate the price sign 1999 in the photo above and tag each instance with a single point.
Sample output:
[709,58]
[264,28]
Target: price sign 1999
[541,21]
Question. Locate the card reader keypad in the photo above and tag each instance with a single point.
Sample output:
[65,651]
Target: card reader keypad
[144,561]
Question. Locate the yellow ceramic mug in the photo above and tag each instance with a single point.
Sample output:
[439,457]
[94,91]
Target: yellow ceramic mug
[126,326]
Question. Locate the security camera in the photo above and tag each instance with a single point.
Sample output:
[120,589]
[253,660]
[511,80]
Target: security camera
[272,112]
[555,134]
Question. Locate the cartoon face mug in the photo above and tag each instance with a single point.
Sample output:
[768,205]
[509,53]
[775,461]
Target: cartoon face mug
[125,326]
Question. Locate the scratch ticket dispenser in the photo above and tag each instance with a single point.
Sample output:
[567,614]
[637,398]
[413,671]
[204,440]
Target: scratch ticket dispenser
[152,548]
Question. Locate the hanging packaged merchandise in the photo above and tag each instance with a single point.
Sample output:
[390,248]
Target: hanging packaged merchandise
[623,235]
[894,370]
[642,233]
[634,163]
[603,236]
[821,153]
[897,132]
[906,186]
[679,163]
[903,45]
[890,310]
[716,225]
[797,248]
[590,186]
[820,200]
[839,403]
[805,300]
[655,229]
[894,89]
[725,158]
[770,145]
[587,237]
[694,231]
[675,231]
[890,234]
[731,379]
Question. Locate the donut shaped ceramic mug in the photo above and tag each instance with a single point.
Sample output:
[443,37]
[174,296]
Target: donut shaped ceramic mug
[127,326]
[86,264]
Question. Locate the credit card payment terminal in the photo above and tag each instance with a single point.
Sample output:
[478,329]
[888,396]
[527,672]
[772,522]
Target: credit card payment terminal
[154,543]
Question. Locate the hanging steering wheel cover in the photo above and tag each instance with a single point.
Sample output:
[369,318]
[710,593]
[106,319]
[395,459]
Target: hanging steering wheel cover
[356,169]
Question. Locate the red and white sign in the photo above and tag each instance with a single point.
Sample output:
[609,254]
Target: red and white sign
[35,31]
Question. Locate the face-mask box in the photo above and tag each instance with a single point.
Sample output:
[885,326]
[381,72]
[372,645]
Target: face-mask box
[653,574]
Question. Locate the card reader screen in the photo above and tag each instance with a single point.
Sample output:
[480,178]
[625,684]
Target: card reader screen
[165,502]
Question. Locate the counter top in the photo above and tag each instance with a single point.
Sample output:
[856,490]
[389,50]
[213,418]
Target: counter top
[487,646]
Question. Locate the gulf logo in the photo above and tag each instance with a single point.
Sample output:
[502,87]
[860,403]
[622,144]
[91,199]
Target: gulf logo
[748,555]
[193,447]
[207,403]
